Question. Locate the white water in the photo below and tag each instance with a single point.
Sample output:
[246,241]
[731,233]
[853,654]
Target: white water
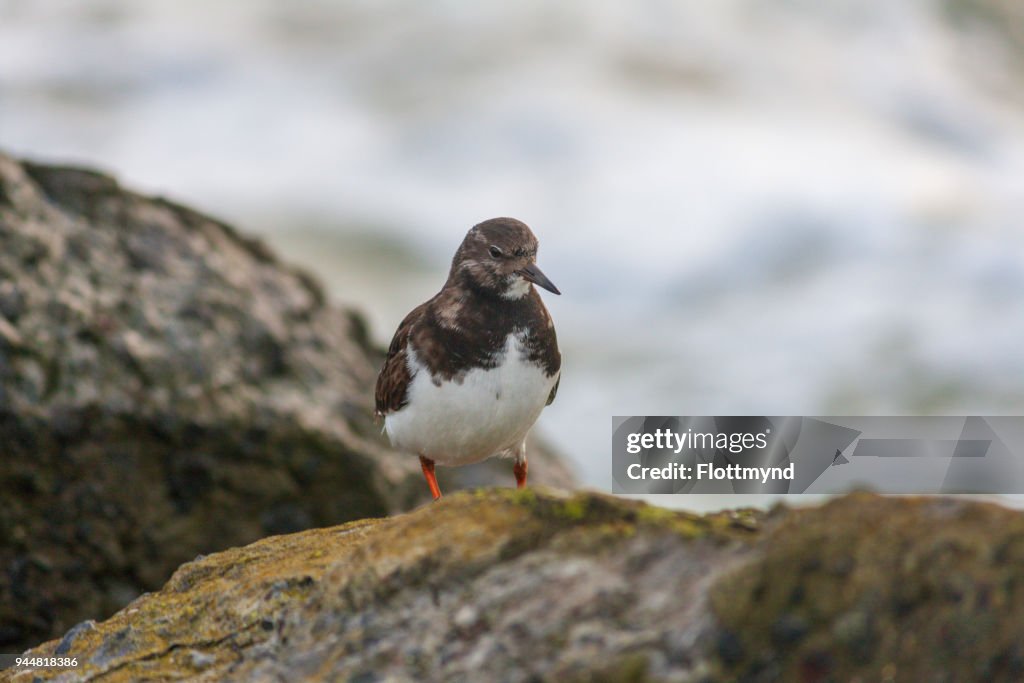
[785,207]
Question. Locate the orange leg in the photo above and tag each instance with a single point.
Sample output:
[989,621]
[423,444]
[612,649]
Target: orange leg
[428,471]
[519,469]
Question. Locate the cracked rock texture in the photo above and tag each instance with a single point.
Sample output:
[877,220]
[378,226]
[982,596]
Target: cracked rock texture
[168,387]
[500,585]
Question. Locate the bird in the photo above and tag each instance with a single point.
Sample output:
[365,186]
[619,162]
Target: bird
[468,371]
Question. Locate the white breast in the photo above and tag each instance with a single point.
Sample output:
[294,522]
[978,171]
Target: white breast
[488,412]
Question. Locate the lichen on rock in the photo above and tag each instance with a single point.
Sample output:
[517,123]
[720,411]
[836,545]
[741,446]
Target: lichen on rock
[540,585]
[492,585]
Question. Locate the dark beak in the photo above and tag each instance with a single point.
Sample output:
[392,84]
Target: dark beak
[533,274]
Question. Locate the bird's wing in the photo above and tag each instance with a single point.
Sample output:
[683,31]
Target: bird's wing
[554,390]
[394,378]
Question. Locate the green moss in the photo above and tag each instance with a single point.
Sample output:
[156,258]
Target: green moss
[731,525]
[524,497]
[655,515]
[575,508]
[632,668]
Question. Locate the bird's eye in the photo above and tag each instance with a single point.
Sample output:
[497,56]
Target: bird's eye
[496,252]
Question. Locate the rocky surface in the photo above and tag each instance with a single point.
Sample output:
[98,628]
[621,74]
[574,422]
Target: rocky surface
[169,388]
[496,585]
[501,585]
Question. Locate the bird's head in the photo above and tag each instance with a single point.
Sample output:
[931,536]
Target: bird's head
[499,257]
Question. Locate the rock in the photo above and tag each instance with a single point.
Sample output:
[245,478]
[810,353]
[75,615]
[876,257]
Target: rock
[492,585]
[169,388]
[870,588]
[520,586]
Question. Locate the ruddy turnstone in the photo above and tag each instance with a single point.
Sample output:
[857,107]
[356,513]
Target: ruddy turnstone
[469,371]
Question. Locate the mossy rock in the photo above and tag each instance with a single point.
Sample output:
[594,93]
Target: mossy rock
[490,585]
[880,589]
[539,585]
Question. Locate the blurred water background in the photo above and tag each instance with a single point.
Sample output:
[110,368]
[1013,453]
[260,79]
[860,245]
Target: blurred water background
[752,207]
